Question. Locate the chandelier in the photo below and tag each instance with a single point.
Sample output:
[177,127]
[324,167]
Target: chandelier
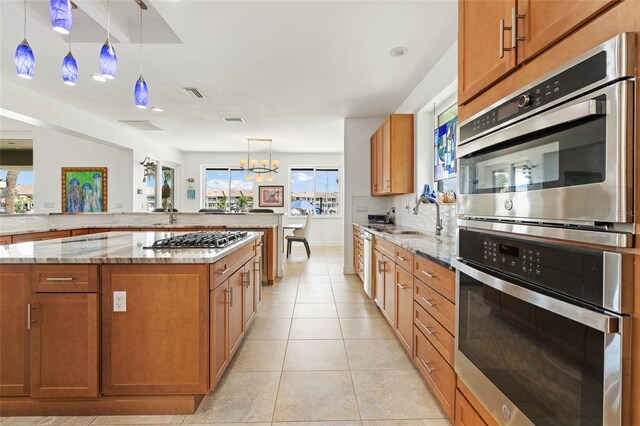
[268,167]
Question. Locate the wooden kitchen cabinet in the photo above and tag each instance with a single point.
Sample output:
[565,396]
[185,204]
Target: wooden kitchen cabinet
[236,318]
[392,156]
[64,348]
[5,240]
[378,277]
[248,294]
[219,334]
[465,414]
[160,344]
[480,61]
[545,22]
[389,272]
[404,308]
[15,296]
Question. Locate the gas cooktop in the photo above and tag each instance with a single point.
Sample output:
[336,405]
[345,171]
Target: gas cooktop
[199,240]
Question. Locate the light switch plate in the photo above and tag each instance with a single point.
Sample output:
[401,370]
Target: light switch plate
[119,301]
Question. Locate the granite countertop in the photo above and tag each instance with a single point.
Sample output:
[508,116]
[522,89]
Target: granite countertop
[440,249]
[112,247]
[136,226]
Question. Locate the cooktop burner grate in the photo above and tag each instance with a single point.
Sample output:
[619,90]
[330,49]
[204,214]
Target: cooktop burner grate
[199,240]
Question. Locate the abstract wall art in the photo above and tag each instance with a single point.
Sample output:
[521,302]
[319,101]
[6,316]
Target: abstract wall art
[84,189]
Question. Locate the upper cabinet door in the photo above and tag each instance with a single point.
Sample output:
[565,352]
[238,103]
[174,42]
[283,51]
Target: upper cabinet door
[386,157]
[485,52]
[374,166]
[543,22]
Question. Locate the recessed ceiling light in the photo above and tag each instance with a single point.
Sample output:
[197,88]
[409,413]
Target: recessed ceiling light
[233,120]
[398,51]
[157,109]
[99,78]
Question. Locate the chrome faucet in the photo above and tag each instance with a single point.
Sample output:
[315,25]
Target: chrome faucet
[426,200]
[172,214]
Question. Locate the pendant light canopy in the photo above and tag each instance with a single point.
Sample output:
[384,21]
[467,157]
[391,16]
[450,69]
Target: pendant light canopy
[61,15]
[108,58]
[24,59]
[141,93]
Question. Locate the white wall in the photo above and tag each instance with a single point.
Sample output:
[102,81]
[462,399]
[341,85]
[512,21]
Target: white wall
[357,177]
[53,150]
[323,230]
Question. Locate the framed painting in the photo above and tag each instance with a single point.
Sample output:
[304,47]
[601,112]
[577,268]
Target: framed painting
[271,196]
[84,189]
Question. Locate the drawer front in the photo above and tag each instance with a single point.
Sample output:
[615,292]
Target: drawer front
[40,236]
[436,305]
[64,279]
[437,373]
[437,335]
[466,415]
[435,276]
[5,240]
[386,248]
[404,258]
[223,268]
[360,270]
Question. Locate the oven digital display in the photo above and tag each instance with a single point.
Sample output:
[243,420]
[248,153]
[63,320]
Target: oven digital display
[507,111]
[509,250]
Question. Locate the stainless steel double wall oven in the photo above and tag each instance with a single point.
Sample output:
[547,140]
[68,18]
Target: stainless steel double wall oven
[546,184]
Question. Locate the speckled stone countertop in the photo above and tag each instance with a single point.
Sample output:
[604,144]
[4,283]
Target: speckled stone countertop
[113,247]
[439,249]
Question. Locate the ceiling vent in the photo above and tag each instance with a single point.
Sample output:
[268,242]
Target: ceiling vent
[233,120]
[192,91]
[141,124]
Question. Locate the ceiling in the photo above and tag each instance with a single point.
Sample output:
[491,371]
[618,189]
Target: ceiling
[292,69]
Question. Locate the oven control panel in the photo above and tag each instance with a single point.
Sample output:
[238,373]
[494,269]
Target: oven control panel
[570,270]
[559,86]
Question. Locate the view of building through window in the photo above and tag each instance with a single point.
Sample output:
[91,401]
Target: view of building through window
[315,190]
[228,189]
[16,190]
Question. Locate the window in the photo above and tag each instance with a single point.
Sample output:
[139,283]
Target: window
[168,175]
[315,190]
[228,189]
[151,192]
[16,189]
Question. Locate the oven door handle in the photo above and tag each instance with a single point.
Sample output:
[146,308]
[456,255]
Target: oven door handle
[592,319]
[591,107]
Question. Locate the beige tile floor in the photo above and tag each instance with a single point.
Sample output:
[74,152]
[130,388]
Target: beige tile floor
[318,353]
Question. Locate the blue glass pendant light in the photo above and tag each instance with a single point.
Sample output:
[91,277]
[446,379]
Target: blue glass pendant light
[61,15]
[24,59]
[69,68]
[141,91]
[108,59]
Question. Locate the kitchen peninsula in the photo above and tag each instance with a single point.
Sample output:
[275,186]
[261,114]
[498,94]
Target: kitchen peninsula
[100,324]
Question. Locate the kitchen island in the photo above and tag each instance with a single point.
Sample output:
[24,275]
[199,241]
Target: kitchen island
[97,324]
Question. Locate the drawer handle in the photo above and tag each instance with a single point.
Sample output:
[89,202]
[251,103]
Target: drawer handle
[428,302]
[224,271]
[426,365]
[59,279]
[402,259]
[428,274]
[403,286]
[428,329]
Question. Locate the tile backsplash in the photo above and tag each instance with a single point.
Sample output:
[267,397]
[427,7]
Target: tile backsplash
[425,221]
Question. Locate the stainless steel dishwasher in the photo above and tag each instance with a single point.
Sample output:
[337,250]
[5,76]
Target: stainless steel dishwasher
[368,262]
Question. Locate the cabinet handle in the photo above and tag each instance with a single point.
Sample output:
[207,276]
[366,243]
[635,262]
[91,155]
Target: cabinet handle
[426,365]
[59,279]
[29,321]
[403,286]
[402,259]
[514,27]
[381,267]
[428,274]
[428,329]
[230,291]
[502,30]
[428,302]
[224,271]
[256,266]
[246,281]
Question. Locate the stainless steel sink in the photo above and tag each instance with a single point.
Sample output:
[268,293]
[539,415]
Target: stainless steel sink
[404,232]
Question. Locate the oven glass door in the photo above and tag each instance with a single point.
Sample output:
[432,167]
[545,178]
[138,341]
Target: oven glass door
[550,367]
[566,155]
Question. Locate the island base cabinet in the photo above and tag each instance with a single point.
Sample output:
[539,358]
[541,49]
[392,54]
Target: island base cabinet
[64,345]
[14,333]
[159,342]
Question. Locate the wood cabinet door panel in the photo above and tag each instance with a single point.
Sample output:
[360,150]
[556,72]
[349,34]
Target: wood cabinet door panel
[404,308]
[15,296]
[379,162]
[545,22]
[219,338]
[386,157]
[236,319]
[64,345]
[160,344]
[479,61]
[466,415]
[374,166]
[378,277]
[248,296]
[389,290]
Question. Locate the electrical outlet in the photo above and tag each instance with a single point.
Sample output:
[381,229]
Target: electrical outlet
[362,209]
[407,207]
[119,301]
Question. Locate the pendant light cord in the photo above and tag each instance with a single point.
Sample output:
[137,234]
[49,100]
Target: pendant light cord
[140,40]
[25,19]
[108,19]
